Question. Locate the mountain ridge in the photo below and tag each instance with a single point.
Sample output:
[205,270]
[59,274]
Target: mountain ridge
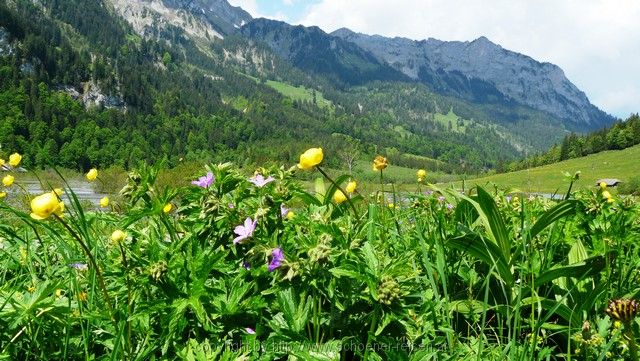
[541,85]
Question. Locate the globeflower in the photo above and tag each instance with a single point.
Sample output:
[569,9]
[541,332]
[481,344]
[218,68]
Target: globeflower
[351,186]
[422,174]
[245,231]
[118,236]
[104,202]
[3,194]
[7,181]
[339,197]
[14,159]
[167,208]
[92,174]
[45,205]
[380,163]
[603,185]
[606,195]
[310,158]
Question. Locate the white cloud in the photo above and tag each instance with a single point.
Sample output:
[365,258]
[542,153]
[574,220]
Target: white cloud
[251,6]
[596,42]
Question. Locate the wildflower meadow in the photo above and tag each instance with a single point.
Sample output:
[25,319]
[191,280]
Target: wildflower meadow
[238,266]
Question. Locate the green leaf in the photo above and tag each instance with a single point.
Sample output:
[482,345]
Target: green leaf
[581,270]
[487,252]
[561,210]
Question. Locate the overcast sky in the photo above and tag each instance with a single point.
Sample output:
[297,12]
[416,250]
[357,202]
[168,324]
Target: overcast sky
[596,42]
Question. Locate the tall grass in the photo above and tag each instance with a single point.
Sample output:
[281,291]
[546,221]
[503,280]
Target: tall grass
[441,275]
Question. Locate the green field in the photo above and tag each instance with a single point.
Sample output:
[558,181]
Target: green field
[620,164]
[452,118]
[299,93]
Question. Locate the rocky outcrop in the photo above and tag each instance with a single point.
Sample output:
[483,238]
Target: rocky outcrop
[486,72]
[205,19]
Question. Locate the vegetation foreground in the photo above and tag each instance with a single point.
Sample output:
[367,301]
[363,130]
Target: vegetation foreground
[237,268]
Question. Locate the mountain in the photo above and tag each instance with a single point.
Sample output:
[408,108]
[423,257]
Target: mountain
[98,82]
[199,18]
[480,70]
[311,49]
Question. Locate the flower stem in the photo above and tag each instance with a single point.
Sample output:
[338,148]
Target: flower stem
[355,212]
[633,347]
[91,260]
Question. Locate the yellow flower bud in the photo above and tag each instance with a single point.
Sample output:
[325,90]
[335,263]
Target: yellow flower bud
[14,159]
[391,206]
[290,215]
[311,158]
[7,181]
[167,208]
[351,186]
[339,197]
[104,202]
[92,174]
[380,163]
[3,194]
[45,205]
[606,195]
[118,236]
[422,173]
[603,185]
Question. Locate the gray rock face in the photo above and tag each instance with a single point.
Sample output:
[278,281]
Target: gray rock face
[469,69]
[222,15]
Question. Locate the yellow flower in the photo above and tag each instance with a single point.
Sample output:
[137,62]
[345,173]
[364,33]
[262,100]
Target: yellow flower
[104,202]
[603,185]
[351,186]
[606,195]
[118,236]
[59,292]
[92,174]
[82,296]
[422,173]
[311,158]
[45,205]
[167,208]
[339,197]
[3,194]
[290,215]
[8,180]
[380,163]
[14,159]
[58,191]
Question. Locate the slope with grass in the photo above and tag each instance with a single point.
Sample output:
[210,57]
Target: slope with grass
[620,164]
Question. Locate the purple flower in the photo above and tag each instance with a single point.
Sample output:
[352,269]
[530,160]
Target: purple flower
[441,199]
[450,206]
[204,181]
[244,231]
[79,266]
[231,206]
[508,198]
[259,181]
[250,331]
[283,211]
[246,265]
[276,259]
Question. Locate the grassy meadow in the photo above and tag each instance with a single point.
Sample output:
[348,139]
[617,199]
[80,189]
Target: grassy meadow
[209,263]
[621,164]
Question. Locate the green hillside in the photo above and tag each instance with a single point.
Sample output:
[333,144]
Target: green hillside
[620,164]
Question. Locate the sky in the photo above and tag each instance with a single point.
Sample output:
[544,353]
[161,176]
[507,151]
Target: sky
[595,42]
